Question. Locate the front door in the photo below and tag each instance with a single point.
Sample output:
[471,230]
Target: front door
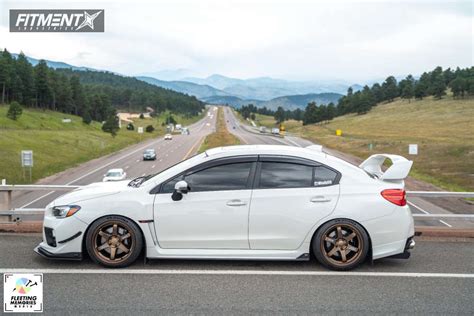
[213,214]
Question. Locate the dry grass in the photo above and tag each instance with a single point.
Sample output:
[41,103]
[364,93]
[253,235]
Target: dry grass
[443,130]
[221,137]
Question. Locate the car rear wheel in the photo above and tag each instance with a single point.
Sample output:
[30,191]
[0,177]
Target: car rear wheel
[114,241]
[341,244]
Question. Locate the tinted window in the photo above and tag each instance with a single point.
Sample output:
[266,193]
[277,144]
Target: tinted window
[285,175]
[223,177]
[324,176]
[168,187]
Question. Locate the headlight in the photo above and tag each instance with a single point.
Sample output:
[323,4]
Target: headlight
[63,211]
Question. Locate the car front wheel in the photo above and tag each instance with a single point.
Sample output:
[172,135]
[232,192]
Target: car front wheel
[114,241]
[341,244]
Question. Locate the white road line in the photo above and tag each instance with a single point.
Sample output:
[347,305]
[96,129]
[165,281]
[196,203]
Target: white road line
[138,160]
[241,272]
[127,167]
[143,174]
[422,210]
[152,167]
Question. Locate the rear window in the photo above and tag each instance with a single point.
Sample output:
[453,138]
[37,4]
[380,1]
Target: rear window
[285,175]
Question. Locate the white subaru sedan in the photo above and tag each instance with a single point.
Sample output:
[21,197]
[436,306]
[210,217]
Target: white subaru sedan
[256,202]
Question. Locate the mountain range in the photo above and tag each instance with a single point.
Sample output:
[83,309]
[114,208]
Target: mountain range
[219,89]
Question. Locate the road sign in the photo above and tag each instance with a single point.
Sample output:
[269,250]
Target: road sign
[140,130]
[27,158]
[413,149]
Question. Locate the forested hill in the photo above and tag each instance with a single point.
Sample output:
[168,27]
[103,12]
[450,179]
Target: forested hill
[91,94]
[129,92]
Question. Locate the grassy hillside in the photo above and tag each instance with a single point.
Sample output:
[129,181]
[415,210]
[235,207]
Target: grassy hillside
[443,130]
[221,137]
[58,146]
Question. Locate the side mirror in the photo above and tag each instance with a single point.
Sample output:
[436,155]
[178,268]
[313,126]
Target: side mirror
[181,187]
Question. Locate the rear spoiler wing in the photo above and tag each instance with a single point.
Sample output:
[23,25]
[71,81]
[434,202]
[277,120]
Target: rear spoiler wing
[397,171]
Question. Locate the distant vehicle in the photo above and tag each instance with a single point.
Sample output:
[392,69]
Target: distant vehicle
[233,127]
[185,131]
[168,137]
[115,175]
[263,129]
[149,154]
[260,202]
[275,131]
[178,127]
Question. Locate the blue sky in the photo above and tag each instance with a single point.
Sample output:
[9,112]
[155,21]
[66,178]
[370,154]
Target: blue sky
[298,40]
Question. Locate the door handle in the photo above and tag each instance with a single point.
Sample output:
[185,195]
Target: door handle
[236,203]
[320,199]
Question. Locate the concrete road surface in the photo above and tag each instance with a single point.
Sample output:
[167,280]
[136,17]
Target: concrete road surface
[249,135]
[437,279]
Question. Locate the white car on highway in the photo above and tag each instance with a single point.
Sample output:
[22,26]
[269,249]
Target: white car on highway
[253,202]
[115,175]
[168,137]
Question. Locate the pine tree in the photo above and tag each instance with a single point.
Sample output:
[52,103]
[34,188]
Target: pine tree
[14,111]
[111,125]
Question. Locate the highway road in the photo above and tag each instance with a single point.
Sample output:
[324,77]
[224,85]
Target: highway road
[249,135]
[130,159]
[438,278]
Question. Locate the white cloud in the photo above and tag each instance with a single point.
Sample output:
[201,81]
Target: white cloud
[294,39]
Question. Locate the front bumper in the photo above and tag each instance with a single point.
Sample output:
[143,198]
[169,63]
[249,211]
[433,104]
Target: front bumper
[59,256]
[62,238]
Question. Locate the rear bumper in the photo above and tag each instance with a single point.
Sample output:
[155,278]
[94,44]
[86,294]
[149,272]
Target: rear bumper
[410,244]
[61,256]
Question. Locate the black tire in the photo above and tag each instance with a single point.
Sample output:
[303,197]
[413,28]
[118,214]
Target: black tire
[341,244]
[114,241]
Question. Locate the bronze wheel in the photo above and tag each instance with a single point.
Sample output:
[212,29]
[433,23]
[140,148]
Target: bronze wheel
[114,241]
[341,244]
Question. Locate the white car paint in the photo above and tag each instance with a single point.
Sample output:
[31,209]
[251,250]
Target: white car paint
[117,174]
[269,224]
[168,137]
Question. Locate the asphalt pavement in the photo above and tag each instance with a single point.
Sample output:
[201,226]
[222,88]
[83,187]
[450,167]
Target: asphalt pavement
[437,279]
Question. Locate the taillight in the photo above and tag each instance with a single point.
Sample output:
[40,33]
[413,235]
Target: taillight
[396,196]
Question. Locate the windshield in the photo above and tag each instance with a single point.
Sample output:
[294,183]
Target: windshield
[113,174]
[151,151]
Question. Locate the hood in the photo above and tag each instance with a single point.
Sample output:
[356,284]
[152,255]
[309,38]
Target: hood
[91,191]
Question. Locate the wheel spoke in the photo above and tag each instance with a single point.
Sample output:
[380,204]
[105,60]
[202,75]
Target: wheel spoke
[350,237]
[103,246]
[331,240]
[123,237]
[104,234]
[114,229]
[123,248]
[113,250]
[333,251]
[352,248]
[339,232]
[343,255]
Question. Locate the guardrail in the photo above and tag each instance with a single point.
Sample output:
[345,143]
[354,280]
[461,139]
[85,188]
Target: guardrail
[15,214]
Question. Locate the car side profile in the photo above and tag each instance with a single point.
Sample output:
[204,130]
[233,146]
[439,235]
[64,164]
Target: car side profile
[255,202]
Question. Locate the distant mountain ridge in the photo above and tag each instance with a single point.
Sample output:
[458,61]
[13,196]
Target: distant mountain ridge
[289,102]
[219,89]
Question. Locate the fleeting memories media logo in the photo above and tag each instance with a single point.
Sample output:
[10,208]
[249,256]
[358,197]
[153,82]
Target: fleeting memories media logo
[22,293]
[91,20]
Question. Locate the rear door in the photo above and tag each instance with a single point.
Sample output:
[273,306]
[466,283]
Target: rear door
[290,196]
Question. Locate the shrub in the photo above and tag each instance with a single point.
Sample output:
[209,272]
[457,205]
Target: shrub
[14,111]
[130,127]
[149,129]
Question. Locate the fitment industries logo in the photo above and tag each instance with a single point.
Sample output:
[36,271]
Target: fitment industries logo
[57,20]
